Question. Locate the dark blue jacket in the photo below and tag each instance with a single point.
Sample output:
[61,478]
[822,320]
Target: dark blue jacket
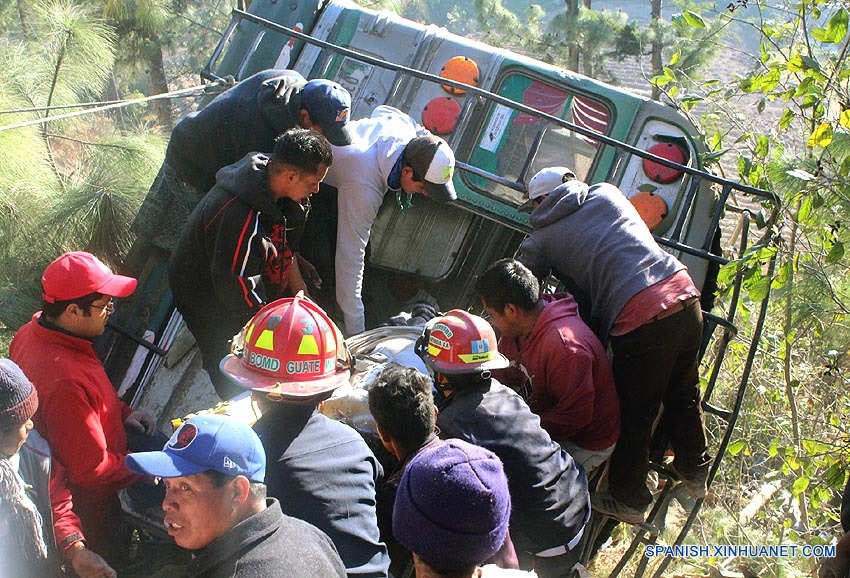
[549,499]
[324,473]
[246,118]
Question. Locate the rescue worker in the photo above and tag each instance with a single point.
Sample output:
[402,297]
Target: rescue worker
[292,356]
[388,151]
[38,528]
[215,505]
[236,252]
[548,488]
[80,415]
[452,511]
[246,118]
[402,404]
[557,363]
[592,237]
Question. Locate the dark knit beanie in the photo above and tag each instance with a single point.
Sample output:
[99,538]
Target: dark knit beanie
[452,507]
[18,400]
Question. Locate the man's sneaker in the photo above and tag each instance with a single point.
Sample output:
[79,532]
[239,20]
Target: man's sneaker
[603,503]
[695,482]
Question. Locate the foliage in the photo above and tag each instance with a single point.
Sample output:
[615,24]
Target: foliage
[792,136]
[70,184]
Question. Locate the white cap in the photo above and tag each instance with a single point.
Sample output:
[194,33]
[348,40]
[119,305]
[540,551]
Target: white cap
[547,180]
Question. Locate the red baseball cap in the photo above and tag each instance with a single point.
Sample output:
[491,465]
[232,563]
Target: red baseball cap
[77,274]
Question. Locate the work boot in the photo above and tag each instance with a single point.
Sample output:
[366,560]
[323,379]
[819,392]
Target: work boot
[604,503]
[693,480]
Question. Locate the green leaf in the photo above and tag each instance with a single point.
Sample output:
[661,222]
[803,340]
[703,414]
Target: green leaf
[836,253]
[674,58]
[786,118]
[727,272]
[822,135]
[770,80]
[762,146]
[780,278]
[804,214]
[844,119]
[801,484]
[647,188]
[660,80]
[814,448]
[735,447]
[758,289]
[693,19]
[835,31]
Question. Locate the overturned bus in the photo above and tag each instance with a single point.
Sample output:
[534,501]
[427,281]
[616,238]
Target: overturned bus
[506,116]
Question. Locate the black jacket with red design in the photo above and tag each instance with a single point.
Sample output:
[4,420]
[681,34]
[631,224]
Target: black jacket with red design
[236,250]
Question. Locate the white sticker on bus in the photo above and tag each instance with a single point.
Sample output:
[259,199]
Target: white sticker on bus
[496,128]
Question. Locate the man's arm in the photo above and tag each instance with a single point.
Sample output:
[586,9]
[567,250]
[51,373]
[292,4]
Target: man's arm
[236,263]
[68,532]
[81,444]
[569,381]
[357,211]
[533,255]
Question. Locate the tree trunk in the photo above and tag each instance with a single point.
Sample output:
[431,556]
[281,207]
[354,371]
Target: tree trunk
[159,83]
[656,63]
[573,55]
[113,94]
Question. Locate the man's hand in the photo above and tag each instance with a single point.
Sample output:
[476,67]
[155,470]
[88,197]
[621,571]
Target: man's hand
[87,564]
[140,421]
[308,271]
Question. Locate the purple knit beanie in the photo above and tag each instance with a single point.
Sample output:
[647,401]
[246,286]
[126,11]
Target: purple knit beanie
[452,507]
[18,399]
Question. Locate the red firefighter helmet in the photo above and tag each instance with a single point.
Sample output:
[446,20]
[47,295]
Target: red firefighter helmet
[289,349]
[460,342]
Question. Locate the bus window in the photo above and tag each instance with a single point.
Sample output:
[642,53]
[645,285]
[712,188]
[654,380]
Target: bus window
[515,145]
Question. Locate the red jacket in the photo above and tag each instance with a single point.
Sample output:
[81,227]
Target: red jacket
[79,412]
[569,376]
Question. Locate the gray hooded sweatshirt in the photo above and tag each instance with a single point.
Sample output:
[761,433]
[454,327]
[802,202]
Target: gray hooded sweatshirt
[593,237]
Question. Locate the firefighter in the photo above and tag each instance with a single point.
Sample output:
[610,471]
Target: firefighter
[292,356]
[548,488]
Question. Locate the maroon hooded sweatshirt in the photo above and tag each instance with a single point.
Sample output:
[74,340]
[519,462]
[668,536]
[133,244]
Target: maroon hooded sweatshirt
[567,371]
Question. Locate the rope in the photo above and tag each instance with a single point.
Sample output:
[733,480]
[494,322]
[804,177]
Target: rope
[121,104]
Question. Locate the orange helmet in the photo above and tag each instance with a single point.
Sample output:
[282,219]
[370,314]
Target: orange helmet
[290,349]
[460,342]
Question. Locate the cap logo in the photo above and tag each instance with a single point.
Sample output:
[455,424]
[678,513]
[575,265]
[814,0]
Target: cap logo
[342,115]
[447,172]
[229,464]
[447,331]
[480,346]
[264,361]
[184,437]
[298,367]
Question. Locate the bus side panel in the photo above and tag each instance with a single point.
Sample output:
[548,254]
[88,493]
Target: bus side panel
[274,50]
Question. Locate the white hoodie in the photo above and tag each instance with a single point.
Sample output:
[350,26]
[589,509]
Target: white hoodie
[359,172]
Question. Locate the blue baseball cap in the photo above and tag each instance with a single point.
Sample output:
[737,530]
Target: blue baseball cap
[205,442]
[329,106]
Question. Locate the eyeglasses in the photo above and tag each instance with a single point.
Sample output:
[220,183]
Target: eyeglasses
[109,308]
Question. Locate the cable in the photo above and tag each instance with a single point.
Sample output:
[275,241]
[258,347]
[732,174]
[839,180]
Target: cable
[119,104]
